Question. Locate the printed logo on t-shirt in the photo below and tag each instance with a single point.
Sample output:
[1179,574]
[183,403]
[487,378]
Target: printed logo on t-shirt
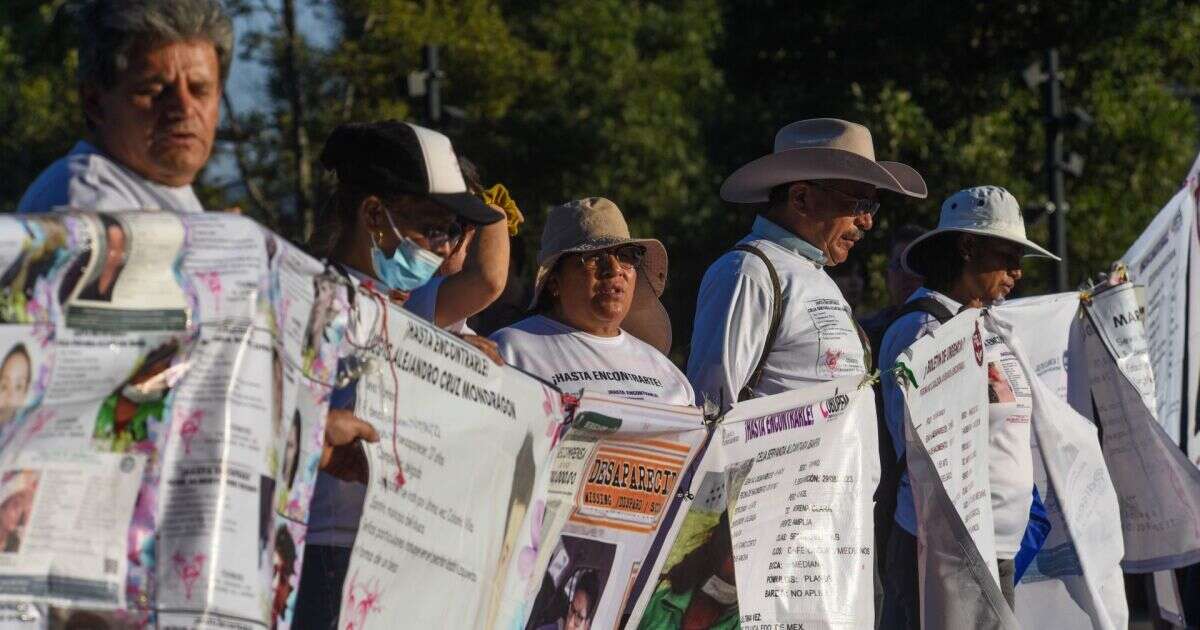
[621,383]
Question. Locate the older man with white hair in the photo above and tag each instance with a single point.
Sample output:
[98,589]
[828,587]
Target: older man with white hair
[769,319]
[151,73]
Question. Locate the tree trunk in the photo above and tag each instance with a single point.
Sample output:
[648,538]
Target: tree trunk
[298,135]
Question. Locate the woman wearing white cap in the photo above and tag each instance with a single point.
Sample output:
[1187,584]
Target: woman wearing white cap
[599,325]
[972,260]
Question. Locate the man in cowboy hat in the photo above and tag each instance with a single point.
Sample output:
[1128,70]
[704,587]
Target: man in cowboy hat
[769,319]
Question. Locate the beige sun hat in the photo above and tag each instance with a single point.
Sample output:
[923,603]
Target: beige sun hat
[596,223]
[984,210]
[820,148]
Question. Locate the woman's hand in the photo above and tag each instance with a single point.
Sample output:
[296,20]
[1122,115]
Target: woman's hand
[486,346]
[342,457]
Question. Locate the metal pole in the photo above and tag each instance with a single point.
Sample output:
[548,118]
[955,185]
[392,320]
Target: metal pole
[433,86]
[1054,161]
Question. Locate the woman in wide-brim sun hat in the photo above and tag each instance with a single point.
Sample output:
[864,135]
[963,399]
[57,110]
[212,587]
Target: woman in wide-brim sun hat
[597,321]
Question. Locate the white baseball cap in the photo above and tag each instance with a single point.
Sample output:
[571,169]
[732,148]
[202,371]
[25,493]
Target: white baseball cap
[983,210]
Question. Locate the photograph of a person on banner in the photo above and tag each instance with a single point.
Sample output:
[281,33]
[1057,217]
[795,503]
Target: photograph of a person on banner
[17,490]
[111,258]
[125,416]
[573,585]
[283,571]
[699,591]
[43,250]
[16,368]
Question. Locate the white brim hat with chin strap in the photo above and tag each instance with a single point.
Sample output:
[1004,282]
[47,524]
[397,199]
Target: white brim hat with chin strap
[984,210]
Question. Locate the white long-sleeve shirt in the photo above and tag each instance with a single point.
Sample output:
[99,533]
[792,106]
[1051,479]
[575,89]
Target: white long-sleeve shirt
[818,339]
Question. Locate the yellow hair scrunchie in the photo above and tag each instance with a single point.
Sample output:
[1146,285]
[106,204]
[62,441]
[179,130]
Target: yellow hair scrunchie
[498,196]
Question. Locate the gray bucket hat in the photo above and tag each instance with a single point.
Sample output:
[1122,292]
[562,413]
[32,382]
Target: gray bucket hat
[595,223]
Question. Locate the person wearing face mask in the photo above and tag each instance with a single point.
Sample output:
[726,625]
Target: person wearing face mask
[598,323]
[699,591]
[972,260]
[472,276]
[398,211]
[769,319]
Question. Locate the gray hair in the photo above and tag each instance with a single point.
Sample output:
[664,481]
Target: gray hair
[110,30]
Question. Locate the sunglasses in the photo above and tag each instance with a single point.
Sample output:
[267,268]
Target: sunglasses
[436,233]
[628,257]
[861,205]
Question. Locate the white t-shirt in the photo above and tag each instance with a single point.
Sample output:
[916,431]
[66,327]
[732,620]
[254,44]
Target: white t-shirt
[818,340]
[1010,457]
[573,360]
[422,302]
[87,179]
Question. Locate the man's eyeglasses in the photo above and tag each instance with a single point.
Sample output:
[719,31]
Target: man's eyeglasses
[628,257]
[861,205]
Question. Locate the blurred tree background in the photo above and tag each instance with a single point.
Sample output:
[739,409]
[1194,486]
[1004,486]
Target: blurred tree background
[653,103]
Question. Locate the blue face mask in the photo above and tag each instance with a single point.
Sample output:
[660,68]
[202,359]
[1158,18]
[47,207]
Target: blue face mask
[409,267]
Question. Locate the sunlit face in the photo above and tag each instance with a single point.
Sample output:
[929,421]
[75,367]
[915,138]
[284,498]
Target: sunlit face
[594,291]
[830,220]
[160,118]
[14,384]
[992,269]
[577,614]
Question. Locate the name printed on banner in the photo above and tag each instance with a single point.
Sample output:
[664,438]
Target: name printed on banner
[447,381]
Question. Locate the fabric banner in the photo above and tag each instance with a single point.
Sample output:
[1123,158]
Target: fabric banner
[799,470]
[1159,260]
[451,477]
[1075,580]
[612,487]
[1159,489]
[173,378]
[1051,329]
[946,429]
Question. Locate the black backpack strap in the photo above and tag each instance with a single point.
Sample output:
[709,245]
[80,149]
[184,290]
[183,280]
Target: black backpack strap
[776,318]
[923,305]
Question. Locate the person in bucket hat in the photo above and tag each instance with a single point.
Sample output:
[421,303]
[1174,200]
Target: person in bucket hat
[769,318]
[972,260]
[598,323]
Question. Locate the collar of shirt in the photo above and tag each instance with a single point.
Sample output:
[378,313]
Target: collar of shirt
[766,229]
[946,301]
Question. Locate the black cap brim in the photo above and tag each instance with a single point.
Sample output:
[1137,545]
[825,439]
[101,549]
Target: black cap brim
[468,207]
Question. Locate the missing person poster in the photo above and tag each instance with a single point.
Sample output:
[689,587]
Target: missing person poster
[946,393]
[1158,488]
[613,488]
[126,279]
[1075,579]
[1158,259]
[449,481]
[799,469]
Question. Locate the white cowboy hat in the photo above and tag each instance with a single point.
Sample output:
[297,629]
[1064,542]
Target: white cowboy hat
[820,148]
[983,210]
[596,223]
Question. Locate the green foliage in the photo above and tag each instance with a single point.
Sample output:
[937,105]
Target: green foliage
[653,103]
[39,108]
